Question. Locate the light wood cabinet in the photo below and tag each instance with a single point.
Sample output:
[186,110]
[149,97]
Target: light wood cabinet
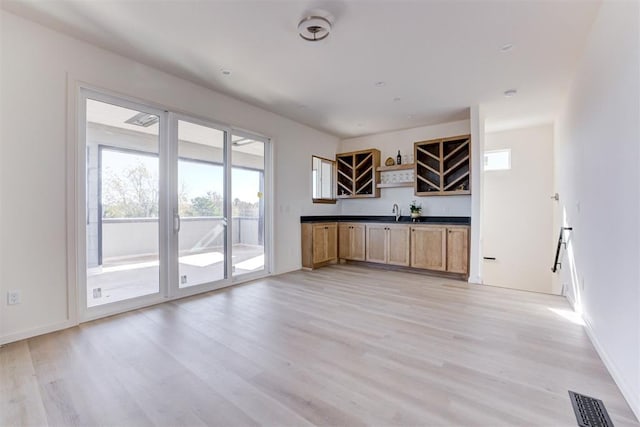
[458,250]
[440,248]
[387,244]
[357,175]
[429,248]
[351,238]
[319,244]
[443,166]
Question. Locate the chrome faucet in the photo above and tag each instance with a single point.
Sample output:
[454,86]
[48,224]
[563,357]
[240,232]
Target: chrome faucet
[396,210]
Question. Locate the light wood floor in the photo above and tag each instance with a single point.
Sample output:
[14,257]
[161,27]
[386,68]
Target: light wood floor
[341,346]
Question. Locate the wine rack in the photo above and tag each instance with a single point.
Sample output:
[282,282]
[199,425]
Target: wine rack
[443,166]
[357,174]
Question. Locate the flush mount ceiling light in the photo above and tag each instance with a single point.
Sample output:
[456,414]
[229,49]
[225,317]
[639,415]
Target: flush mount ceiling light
[225,71]
[506,48]
[143,119]
[379,84]
[314,28]
[510,93]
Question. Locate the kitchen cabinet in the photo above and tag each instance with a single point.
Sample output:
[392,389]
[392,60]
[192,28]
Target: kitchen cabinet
[443,166]
[458,250]
[429,247]
[387,244]
[351,238]
[319,244]
[357,175]
[440,248]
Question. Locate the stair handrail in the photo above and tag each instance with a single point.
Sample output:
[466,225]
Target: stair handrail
[561,242]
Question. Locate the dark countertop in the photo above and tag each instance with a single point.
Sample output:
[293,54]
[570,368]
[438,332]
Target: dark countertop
[456,220]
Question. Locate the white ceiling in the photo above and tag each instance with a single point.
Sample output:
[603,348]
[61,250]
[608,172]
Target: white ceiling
[437,57]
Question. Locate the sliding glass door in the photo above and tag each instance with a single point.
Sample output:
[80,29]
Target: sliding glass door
[174,205]
[200,212]
[248,192]
[122,187]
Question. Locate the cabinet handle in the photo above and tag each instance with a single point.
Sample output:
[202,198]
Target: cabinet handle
[326,228]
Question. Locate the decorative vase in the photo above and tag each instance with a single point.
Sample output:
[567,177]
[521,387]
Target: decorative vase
[415,215]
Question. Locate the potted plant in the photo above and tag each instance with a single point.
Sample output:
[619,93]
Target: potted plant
[415,209]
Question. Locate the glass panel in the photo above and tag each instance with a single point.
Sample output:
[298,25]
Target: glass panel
[497,160]
[322,177]
[202,236]
[247,181]
[122,203]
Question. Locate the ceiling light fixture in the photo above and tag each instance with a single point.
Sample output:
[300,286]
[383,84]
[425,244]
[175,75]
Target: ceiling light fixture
[510,93]
[506,48]
[225,71]
[314,28]
[379,84]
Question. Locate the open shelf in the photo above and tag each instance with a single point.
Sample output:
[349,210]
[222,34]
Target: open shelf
[395,184]
[404,166]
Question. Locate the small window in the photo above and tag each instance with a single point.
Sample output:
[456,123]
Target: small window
[497,160]
[322,171]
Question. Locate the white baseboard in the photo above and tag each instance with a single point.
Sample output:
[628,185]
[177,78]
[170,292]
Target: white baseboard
[22,335]
[476,280]
[626,389]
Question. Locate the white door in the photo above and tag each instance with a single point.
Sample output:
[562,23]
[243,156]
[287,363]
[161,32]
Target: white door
[517,216]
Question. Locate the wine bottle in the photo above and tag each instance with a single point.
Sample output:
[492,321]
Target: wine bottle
[399,158]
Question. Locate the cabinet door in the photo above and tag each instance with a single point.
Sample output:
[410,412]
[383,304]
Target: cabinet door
[376,244]
[429,248]
[344,241]
[357,242]
[331,242]
[458,250]
[319,243]
[398,245]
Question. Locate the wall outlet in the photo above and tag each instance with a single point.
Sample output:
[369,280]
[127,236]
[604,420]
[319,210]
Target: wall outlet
[13,297]
[183,279]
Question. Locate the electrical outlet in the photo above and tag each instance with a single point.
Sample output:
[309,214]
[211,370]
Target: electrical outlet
[13,297]
[183,279]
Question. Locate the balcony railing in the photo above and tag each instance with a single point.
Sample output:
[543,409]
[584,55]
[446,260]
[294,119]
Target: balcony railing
[132,237]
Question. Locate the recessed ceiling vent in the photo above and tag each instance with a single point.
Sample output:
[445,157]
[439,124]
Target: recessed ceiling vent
[314,28]
[143,119]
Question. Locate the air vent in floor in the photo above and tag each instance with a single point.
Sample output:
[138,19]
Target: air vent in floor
[590,412]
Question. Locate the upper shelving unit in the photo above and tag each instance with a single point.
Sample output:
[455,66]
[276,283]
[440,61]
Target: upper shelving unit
[357,174]
[443,166]
[396,176]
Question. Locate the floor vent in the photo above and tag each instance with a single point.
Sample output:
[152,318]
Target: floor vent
[590,412]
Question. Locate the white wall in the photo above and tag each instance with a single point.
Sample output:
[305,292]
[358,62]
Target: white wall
[517,216]
[597,140]
[389,143]
[33,174]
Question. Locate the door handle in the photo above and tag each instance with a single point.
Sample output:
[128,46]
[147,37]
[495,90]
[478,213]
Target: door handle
[176,222]
[489,258]
[225,222]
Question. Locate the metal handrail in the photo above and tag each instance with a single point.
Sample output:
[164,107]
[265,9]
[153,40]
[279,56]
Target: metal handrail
[560,243]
